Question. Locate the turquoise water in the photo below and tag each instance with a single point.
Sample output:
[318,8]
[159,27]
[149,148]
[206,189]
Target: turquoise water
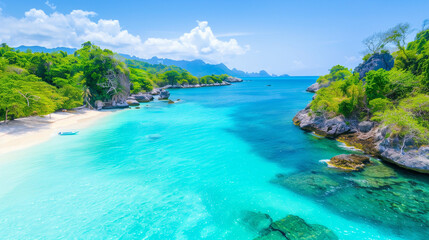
[175,171]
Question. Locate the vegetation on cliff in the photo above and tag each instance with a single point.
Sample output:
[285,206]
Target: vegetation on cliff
[41,83]
[397,97]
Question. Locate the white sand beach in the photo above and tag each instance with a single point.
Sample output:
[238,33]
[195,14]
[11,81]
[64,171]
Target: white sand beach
[25,132]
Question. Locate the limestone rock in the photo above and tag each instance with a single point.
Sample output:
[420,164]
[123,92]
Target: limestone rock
[327,127]
[233,79]
[313,88]
[132,102]
[375,62]
[155,91]
[143,97]
[98,104]
[164,95]
[365,126]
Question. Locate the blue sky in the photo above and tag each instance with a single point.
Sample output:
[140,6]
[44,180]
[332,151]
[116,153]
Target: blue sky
[294,37]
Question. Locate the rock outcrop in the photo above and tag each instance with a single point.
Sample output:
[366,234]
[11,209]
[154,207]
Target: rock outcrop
[132,102]
[98,105]
[233,79]
[143,97]
[375,62]
[155,91]
[369,137]
[295,228]
[402,151]
[224,83]
[316,86]
[319,124]
[350,162]
[114,105]
[164,95]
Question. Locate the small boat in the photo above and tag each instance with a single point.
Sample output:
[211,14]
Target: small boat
[68,133]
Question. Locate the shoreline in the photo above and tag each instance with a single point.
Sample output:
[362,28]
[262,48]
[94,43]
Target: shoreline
[22,133]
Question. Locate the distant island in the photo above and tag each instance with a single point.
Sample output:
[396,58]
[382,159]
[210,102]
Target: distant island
[196,67]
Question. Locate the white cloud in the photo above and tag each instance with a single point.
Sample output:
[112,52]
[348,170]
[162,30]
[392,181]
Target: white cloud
[71,30]
[234,34]
[51,5]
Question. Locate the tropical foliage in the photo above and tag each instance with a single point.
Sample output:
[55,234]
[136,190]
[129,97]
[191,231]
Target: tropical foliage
[41,83]
[398,98]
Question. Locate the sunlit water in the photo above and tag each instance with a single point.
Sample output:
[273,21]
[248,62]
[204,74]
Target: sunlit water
[174,171]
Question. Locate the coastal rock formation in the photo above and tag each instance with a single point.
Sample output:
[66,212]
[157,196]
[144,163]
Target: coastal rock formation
[365,126]
[114,105]
[375,62]
[154,91]
[295,228]
[98,105]
[132,102]
[224,83]
[313,87]
[233,79]
[369,137]
[351,162]
[164,95]
[402,152]
[316,86]
[326,127]
[143,97]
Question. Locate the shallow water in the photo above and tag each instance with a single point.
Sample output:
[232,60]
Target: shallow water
[177,171]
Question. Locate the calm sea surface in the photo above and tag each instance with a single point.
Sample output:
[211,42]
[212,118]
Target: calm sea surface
[176,171]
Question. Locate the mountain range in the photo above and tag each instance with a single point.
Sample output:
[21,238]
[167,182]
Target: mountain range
[195,67]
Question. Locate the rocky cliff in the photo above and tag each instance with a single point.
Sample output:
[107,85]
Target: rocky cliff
[370,137]
[375,62]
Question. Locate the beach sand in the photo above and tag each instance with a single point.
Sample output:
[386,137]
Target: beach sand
[25,132]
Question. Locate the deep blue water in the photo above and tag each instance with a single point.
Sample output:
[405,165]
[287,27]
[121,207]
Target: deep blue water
[175,171]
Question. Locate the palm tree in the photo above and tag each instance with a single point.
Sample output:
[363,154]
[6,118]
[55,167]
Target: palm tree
[87,96]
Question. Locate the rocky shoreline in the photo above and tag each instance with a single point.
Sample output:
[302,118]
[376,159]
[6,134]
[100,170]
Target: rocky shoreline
[164,94]
[369,136]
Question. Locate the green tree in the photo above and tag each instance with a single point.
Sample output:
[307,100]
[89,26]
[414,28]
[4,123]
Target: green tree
[376,84]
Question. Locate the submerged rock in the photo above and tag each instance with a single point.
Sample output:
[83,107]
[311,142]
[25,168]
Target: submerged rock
[312,184]
[256,221]
[379,171]
[377,194]
[352,162]
[170,101]
[375,62]
[295,228]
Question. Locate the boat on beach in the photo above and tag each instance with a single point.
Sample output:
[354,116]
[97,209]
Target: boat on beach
[68,133]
